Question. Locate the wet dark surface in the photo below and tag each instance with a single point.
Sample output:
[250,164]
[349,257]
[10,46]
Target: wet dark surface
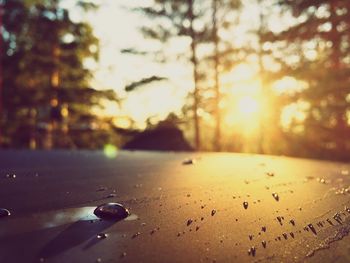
[296,210]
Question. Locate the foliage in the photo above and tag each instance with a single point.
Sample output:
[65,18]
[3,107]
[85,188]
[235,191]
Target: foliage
[321,42]
[44,52]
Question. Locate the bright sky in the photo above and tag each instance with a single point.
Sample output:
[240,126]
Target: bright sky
[117,29]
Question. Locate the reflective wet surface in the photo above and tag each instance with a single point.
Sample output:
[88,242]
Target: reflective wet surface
[226,208]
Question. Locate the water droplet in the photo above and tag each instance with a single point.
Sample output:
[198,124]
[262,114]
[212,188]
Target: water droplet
[202,218]
[329,221]
[189,221]
[101,235]
[4,212]
[347,209]
[322,181]
[263,228]
[275,195]
[98,260]
[213,212]
[136,235]
[111,195]
[252,251]
[271,174]
[245,204]
[123,255]
[279,219]
[285,235]
[292,222]
[337,218]
[188,162]
[291,234]
[111,211]
[197,228]
[10,176]
[101,188]
[312,228]
[250,237]
[263,243]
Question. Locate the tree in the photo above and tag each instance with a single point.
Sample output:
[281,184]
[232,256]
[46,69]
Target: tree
[200,22]
[321,39]
[219,21]
[173,19]
[45,78]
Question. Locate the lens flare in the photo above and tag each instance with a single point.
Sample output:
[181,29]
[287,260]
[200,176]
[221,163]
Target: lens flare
[110,151]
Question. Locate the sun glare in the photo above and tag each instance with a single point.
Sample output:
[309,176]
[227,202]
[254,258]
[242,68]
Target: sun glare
[245,114]
[247,106]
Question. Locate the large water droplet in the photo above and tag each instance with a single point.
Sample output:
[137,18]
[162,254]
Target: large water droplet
[245,204]
[213,212]
[263,243]
[111,211]
[4,212]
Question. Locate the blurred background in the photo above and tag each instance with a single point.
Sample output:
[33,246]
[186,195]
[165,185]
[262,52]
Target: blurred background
[253,76]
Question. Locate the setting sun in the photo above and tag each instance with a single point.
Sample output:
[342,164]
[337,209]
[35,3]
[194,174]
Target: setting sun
[247,106]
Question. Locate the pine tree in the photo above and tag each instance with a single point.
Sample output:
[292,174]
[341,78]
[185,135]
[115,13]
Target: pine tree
[44,77]
[321,38]
[173,19]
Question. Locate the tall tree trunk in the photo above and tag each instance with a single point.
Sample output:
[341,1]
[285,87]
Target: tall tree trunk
[217,139]
[195,77]
[264,90]
[341,131]
[1,80]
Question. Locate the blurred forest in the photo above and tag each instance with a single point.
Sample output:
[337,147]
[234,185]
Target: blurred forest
[303,71]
